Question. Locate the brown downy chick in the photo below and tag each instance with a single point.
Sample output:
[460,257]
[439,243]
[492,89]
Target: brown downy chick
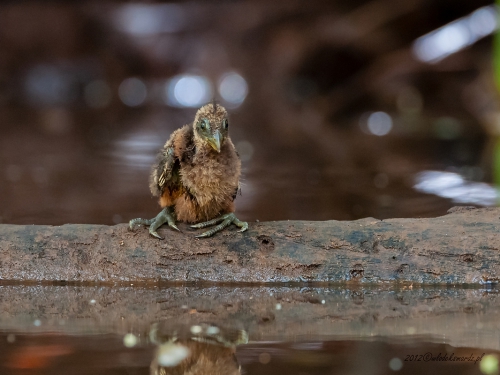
[202,359]
[195,349]
[197,175]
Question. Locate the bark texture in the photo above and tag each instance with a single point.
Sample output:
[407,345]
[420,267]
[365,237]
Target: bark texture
[459,248]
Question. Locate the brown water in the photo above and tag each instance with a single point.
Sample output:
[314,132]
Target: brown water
[74,149]
[265,330]
[106,354]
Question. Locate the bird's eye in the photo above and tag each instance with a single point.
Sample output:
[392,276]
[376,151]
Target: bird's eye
[226,124]
[203,124]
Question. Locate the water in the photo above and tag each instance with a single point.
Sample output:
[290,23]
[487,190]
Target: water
[106,354]
[78,131]
[326,131]
[265,330]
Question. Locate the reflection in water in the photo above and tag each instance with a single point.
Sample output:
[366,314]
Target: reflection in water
[379,123]
[49,85]
[453,186]
[132,92]
[455,36]
[187,90]
[144,20]
[295,331]
[136,150]
[233,89]
[489,365]
[97,94]
[62,354]
[195,349]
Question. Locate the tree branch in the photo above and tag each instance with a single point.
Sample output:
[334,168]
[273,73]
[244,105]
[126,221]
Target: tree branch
[459,248]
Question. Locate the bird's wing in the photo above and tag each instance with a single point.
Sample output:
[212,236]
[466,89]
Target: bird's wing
[163,171]
[168,165]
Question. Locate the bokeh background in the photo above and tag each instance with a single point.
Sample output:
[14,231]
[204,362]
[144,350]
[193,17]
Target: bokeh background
[339,109]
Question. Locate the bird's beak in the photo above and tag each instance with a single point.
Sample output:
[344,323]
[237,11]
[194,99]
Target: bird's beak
[214,141]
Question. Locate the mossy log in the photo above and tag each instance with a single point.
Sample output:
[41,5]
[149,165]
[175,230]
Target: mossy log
[459,248]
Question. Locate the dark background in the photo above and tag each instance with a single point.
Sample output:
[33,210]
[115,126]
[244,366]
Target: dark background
[77,136]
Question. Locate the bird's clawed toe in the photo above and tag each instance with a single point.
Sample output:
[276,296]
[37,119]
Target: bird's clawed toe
[243,228]
[210,222]
[203,235]
[165,216]
[225,220]
[132,223]
[198,226]
[172,225]
[155,234]
[241,224]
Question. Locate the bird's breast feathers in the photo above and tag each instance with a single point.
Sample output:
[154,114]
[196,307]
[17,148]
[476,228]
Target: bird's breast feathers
[212,177]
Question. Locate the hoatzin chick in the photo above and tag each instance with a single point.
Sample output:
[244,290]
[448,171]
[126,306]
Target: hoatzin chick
[197,175]
[198,349]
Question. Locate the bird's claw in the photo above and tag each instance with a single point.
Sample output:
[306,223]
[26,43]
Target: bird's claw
[244,228]
[155,234]
[165,216]
[226,219]
[197,226]
[210,222]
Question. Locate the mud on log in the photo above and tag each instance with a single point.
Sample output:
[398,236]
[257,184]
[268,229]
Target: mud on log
[459,248]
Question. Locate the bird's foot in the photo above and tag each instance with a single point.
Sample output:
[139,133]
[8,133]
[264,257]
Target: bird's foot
[224,220]
[165,216]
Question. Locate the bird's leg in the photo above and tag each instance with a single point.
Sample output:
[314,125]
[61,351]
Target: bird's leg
[165,216]
[226,219]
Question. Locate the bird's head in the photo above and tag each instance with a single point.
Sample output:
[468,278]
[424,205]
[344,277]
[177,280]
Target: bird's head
[211,125]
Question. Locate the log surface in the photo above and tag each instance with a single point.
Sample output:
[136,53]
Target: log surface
[459,248]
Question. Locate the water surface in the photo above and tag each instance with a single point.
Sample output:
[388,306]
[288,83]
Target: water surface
[265,330]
